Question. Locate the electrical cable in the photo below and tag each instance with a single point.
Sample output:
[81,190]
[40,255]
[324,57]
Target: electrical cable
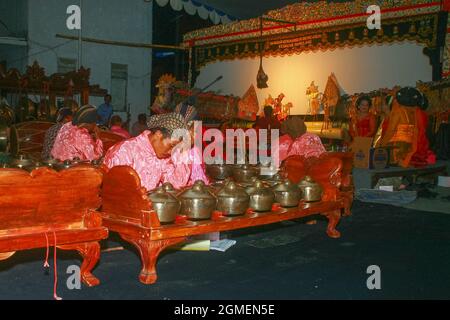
[39,52]
[6,27]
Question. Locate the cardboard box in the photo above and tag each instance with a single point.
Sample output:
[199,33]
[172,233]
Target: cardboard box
[366,157]
[379,158]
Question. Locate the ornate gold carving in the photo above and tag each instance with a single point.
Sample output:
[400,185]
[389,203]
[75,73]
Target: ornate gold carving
[395,31]
[306,11]
[351,35]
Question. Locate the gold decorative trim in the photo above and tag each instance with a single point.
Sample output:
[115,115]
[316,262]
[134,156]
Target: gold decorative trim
[418,36]
[304,12]
[446,58]
[321,48]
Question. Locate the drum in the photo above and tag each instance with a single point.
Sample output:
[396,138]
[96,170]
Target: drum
[4,135]
[28,138]
[6,114]
[109,139]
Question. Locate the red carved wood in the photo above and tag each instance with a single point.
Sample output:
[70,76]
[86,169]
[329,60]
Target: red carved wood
[109,139]
[149,252]
[331,170]
[347,166]
[347,186]
[33,79]
[90,251]
[123,197]
[127,210]
[36,204]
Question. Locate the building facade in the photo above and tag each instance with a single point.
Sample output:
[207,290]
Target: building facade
[37,30]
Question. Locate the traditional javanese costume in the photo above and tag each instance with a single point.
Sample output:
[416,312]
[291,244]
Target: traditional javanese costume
[303,144]
[195,159]
[120,131]
[365,127]
[52,133]
[405,130]
[307,145]
[74,142]
[139,154]
[49,140]
[197,166]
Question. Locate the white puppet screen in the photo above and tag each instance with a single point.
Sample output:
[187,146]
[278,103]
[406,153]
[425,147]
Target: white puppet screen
[357,69]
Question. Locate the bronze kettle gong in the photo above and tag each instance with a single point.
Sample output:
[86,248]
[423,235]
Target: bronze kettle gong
[311,190]
[232,200]
[287,193]
[261,197]
[197,203]
[165,205]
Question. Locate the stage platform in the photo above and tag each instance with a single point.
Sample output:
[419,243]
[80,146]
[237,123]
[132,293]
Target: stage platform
[368,178]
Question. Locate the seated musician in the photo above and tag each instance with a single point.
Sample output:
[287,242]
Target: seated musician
[79,138]
[149,154]
[296,141]
[116,127]
[365,124]
[64,116]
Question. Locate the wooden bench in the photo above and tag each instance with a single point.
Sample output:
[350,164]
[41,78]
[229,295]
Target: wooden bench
[127,211]
[38,207]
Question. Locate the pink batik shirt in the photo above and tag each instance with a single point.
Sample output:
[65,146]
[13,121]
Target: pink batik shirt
[139,154]
[120,131]
[197,166]
[307,145]
[74,142]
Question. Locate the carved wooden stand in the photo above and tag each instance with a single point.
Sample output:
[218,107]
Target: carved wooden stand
[32,216]
[149,251]
[90,252]
[127,211]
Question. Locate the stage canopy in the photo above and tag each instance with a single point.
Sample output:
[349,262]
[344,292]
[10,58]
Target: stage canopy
[307,41]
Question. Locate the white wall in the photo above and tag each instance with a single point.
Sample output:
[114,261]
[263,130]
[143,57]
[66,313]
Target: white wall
[117,20]
[358,69]
[13,14]
[12,55]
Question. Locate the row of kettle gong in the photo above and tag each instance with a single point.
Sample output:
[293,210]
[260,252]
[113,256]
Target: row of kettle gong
[22,162]
[240,173]
[200,201]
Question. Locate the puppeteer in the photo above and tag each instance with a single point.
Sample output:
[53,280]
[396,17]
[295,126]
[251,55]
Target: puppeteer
[405,129]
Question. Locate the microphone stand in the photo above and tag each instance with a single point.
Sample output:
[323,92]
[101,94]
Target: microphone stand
[202,90]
